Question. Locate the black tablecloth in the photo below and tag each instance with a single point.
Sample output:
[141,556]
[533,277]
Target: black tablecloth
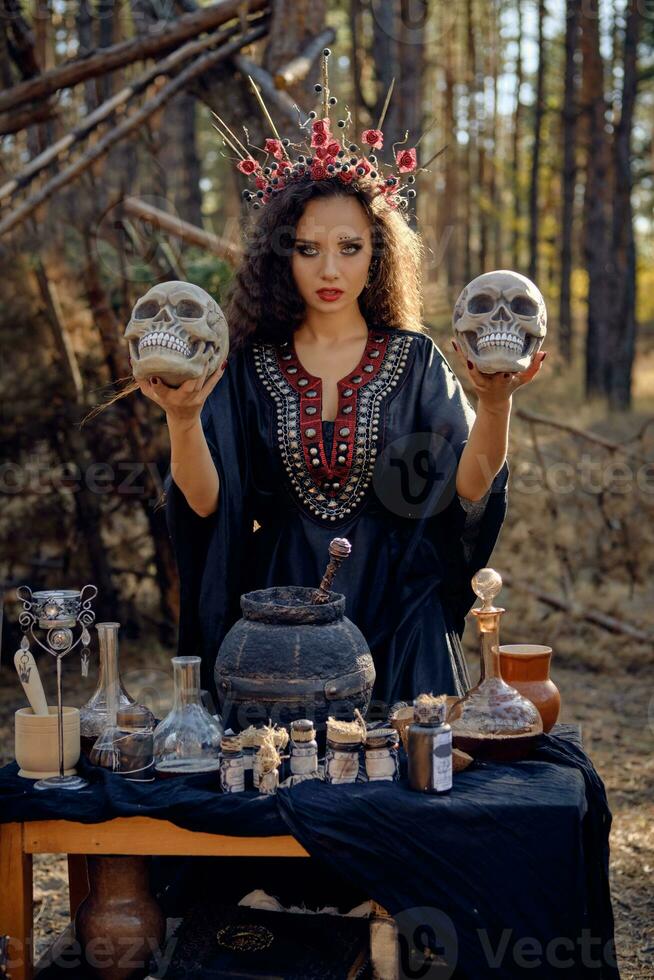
[508,873]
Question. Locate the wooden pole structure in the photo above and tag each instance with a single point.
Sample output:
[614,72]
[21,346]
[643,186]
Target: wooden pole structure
[128,125]
[160,38]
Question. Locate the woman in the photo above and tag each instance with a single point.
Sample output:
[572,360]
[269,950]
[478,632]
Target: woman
[336,415]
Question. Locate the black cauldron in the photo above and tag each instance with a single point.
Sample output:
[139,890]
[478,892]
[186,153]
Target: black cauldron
[288,658]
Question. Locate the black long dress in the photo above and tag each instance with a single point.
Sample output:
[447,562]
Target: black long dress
[383,475]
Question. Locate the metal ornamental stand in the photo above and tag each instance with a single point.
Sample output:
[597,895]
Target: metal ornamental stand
[60,612]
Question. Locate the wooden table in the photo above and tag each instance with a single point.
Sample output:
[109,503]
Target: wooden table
[125,835]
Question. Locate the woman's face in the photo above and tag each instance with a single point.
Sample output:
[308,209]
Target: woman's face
[332,252]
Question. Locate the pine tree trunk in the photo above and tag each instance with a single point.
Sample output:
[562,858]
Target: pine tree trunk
[469,237]
[623,326]
[569,176]
[539,111]
[597,228]
[516,159]
[450,229]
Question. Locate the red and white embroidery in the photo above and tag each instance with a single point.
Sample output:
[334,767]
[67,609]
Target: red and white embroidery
[333,488]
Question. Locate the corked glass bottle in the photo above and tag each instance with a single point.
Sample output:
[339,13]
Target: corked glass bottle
[493,721]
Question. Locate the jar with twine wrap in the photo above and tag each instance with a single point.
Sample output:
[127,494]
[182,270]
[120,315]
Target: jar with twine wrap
[430,746]
[344,742]
[232,770]
[382,757]
[271,742]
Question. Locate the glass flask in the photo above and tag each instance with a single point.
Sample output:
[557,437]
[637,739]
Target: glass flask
[110,696]
[493,721]
[188,740]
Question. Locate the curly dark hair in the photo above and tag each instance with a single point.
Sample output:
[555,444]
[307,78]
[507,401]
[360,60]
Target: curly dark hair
[263,301]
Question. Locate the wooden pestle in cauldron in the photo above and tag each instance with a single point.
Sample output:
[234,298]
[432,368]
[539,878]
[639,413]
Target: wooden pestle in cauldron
[339,550]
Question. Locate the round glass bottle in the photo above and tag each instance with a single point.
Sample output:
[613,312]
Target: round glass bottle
[188,740]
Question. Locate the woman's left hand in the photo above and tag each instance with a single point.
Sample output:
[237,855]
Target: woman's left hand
[495,390]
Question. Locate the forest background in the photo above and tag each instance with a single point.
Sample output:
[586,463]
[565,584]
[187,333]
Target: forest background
[538,115]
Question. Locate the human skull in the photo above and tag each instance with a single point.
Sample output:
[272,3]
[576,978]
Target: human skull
[500,321]
[175,331]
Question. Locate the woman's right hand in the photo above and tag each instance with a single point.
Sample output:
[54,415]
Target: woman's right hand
[182,405]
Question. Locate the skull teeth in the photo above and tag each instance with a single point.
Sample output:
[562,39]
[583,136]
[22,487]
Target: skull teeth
[167,341]
[504,340]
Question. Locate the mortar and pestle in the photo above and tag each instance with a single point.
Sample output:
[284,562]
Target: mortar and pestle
[36,743]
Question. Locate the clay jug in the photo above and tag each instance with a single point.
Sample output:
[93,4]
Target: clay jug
[119,924]
[526,666]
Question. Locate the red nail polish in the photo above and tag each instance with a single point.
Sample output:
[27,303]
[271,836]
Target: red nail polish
[470,365]
[223,365]
[154,381]
[544,356]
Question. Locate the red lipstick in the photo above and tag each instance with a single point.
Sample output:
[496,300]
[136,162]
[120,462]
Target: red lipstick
[329,295]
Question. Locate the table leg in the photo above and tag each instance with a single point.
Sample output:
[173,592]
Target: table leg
[16,900]
[78,882]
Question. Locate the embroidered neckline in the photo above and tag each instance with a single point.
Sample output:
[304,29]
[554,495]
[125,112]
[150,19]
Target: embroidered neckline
[330,474]
[331,489]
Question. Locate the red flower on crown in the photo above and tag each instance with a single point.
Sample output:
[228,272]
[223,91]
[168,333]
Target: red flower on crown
[406,160]
[320,125]
[248,166]
[319,170]
[320,138]
[274,147]
[330,151]
[346,175]
[364,165]
[261,183]
[373,137]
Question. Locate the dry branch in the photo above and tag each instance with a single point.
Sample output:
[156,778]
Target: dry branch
[608,444]
[13,122]
[102,147]
[610,623]
[273,97]
[158,39]
[103,111]
[183,230]
[298,69]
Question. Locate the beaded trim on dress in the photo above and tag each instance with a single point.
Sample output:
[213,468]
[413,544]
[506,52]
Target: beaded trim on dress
[331,489]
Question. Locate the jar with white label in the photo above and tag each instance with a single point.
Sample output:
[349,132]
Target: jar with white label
[304,751]
[232,769]
[382,760]
[430,746]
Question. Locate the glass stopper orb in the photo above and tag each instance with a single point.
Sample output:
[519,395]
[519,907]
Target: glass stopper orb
[486,584]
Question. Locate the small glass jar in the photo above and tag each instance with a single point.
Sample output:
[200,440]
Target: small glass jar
[134,744]
[382,758]
[342,761]
[304,750]
[188,740]
[232,768]
[430,747]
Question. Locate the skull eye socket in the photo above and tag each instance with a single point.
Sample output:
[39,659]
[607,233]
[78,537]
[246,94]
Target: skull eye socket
[145,311]
[524,306]
[481,303]
[189,308]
